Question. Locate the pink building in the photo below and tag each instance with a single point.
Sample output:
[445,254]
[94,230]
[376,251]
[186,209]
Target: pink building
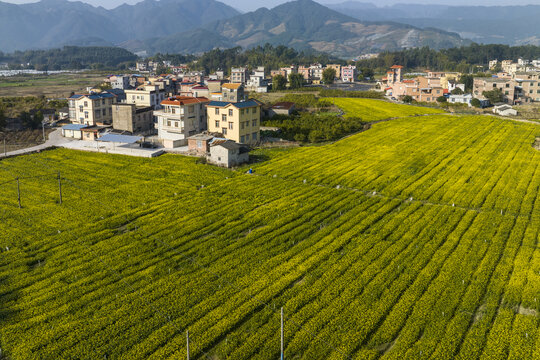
[348,73]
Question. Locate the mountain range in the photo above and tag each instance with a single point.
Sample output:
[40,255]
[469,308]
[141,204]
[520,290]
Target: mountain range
[511,25]
[193,26]
[304,25]
[53,23]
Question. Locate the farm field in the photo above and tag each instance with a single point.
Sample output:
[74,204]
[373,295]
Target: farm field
[373,110]
[417,239]
[53,86]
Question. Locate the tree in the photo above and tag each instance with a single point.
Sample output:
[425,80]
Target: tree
[442,99]
[476,103]
[367,73]
[279,82]
[494,96]
[468,80]
[2,120]
[457,91]
[407,99]
[296,81]
[328,76]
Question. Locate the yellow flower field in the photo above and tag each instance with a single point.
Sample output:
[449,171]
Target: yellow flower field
[417,239]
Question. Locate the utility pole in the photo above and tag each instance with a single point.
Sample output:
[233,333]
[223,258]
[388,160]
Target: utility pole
[19,193]
[43,128]
[282,334]
[60,187]
[187,346]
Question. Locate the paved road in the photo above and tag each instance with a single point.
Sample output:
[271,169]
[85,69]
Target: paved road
[55,139]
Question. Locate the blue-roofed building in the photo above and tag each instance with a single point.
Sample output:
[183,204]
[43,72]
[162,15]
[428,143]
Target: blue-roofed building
[238,121]
[91,109]
[73,131]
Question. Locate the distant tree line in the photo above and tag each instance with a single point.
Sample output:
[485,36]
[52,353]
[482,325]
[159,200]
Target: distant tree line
[70,58]
[269,56]
[175,59]
[463,59]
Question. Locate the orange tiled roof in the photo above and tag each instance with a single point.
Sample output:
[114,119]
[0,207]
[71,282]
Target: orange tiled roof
[231,86]
[397,67]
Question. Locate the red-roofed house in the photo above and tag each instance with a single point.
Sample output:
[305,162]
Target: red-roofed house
[181,117]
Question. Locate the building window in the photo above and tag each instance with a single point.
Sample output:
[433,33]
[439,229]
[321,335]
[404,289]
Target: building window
[254,110]
[224,117]
[254,122]
[176,124]
[86,104]
[224,131]
[173,110]
[242,138]
[86,114]
[241,125]
[231,125]
[254,136]
[217,111]
[230,112]
[242,112]
[217,123]
[104,112]
[168,122]
[103,101]
[247,137]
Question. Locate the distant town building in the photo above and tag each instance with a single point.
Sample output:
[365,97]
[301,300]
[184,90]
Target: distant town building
[239,75]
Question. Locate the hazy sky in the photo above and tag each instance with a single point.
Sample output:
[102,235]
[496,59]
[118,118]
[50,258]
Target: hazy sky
[248,5]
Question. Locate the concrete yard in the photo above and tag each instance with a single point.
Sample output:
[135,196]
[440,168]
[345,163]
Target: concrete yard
[113,148]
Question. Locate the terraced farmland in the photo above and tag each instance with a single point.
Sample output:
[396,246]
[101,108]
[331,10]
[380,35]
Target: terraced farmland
[417,239]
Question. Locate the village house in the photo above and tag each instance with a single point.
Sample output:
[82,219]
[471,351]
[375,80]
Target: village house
[306,72]
[257,81]
[316,72]
[200,144]
[348,73]
[395,75]
[504,110]
[232,92]
[527,87]
[228,153]
[238,121]
[180,118]
[281,108]
[133,119]
[91,109]
[460,99]
[239,75]
[92,133]
[144,96]
[73,131]
[122,82]
[337,68]
[508,88]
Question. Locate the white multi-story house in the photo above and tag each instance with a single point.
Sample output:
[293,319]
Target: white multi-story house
[180,118]
[147,95]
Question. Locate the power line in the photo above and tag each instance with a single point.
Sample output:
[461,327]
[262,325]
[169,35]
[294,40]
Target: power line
[206,269]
